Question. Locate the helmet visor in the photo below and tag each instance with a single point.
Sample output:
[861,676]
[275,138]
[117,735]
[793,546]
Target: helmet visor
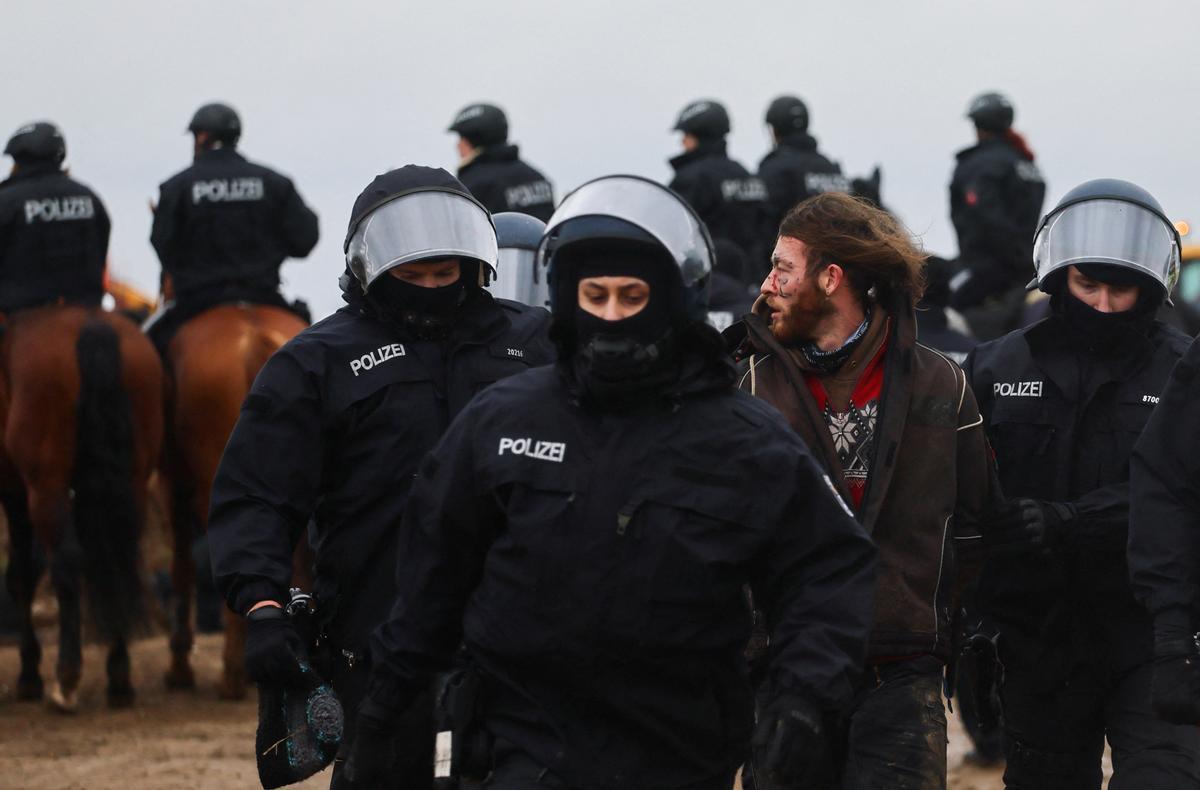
[421,226]
[519,279]
[1112,232]
[651,207]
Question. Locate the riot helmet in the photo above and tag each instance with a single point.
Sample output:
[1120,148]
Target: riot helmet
[219,121]
[481,125]
[40,141]
[787,114]
[991,112]
[518,277]
[416,214]
[1112,223]
[632,211]
[705,119]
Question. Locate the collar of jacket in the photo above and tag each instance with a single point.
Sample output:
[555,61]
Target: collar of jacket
[801,141]
[480,318]
[221,154]
[26,172]
[703,150]
[505,152]
[1050,343]
[985,144]
[704,367]
[894,401]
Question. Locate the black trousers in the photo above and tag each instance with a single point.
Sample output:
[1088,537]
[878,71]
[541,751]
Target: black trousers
[1055,732]
[894,736]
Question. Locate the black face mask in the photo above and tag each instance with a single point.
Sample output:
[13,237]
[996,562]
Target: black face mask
[623,363]
[1092,329]
[425,313]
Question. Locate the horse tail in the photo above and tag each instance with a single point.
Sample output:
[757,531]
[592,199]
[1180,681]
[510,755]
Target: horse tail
[106,512]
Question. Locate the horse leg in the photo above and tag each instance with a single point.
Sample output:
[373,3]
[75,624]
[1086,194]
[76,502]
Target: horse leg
[183,576]
[51,517]
[233,681]
[120,685]
[24,570]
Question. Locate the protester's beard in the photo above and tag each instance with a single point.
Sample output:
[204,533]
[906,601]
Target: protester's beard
[803,309]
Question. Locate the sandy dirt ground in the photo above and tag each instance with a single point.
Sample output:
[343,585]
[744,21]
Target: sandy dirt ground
[177,739]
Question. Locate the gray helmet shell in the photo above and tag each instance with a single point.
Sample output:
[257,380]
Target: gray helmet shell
[1109,222]
[704,118]
[219,120]
[481,124]
[787,114]
[40,141]
[991,112]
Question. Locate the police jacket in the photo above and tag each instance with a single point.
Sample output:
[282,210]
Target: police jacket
[996,198]
[503,182]
[730,201]
[594,565]
[795,170]
[334,428]
[226,220]
[929,486]
[1164,517]
[1062,420]
[53,239]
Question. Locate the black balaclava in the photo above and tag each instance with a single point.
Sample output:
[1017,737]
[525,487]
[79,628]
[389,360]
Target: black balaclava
[423,313]
[1091,329]
[619,364]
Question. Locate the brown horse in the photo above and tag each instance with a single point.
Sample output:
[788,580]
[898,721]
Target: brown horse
[212,362]
[81,405]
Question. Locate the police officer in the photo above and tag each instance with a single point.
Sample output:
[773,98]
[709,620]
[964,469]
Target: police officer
[938,325]
[491,167]
[1164,539]
[587,530]
[995,200]
[339,418]
[1063,402]
[53,229]
[224,226]
[794,169]
[729,200]
[518,276]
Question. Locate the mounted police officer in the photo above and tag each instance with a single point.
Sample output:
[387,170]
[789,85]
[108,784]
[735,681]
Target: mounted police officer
[1063,402]
[586,530]
[491,167]
[731,202]
[996,198]
[340,417]
[794,169]
[224,226]
[53,229]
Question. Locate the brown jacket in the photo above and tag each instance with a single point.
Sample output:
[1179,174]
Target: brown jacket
[930,481]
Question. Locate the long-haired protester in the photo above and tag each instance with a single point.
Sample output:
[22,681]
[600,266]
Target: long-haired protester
[832,344]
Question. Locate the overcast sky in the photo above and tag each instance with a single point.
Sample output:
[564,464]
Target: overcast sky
[332,93]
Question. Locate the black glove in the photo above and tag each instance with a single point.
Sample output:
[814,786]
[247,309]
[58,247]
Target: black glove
[1026,525]
[1175,684]
[372,749]
[789,743]
[274,649]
